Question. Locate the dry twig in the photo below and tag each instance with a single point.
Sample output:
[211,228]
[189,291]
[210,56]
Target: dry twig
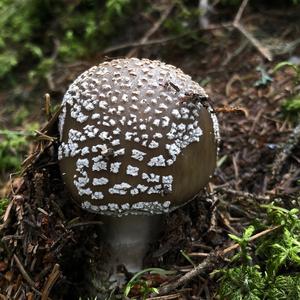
[236,24]
[164,40]
[167,297]
[153,29]
[53,277]
[256,43]
[209,263]
[23,271]
[243,194]
[231,109]
[48,106]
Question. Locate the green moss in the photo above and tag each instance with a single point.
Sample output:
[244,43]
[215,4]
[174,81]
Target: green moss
[13,146]
[284,287]
[37,34]
[3,204]
[245,282]
[276,274]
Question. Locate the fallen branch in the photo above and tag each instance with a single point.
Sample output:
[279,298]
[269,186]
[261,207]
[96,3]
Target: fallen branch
[208,264]
[164,40]
[236,24]
[240,12]
[256,43]
[153,29]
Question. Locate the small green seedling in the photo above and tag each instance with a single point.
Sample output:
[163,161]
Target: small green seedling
[243,242]
[288,64]
[265,78]
[144,288]
[291,106]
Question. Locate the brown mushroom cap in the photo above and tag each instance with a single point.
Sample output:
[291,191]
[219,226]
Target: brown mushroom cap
[136,138]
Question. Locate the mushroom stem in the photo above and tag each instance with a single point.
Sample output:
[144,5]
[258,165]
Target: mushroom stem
[128,239]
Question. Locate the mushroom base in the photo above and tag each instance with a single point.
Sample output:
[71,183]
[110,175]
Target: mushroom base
[128,239]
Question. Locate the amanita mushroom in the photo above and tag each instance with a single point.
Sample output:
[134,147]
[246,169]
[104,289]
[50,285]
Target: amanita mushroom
[137,139]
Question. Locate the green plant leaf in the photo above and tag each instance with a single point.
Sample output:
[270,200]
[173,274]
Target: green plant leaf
[135,278]
[285,64]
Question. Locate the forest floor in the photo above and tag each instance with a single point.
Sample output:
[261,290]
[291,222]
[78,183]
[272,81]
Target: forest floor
[258,163]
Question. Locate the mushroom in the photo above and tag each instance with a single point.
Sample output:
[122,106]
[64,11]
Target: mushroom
[138,139]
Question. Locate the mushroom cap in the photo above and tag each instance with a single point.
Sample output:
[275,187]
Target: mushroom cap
[136,137]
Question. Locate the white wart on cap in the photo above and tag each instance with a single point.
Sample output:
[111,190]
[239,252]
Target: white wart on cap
[136,138]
